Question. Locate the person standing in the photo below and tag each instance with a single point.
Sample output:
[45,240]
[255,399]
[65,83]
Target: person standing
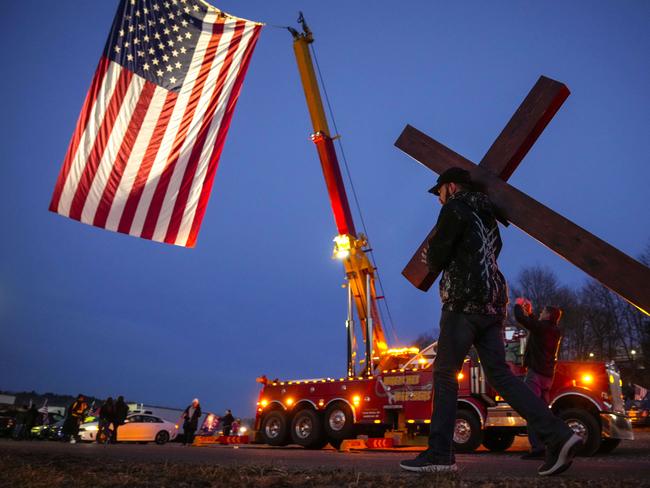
[31,417]
[121,410]
[106,418]
[226,422]
[465,247]
[544,336]
[191,417]
[21,418]
[73,419]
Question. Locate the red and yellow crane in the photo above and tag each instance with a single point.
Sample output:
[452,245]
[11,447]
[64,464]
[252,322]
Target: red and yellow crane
[349,246]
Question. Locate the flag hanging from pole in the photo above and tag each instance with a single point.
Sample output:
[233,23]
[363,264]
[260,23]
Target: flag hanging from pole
[146,147]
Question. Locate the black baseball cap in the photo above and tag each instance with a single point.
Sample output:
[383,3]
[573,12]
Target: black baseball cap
[452,175]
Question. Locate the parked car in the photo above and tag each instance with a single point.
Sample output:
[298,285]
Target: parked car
[136,428]
[43,431]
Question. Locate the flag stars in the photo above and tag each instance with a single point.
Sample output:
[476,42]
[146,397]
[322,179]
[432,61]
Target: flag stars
[146,38]
[161,20]
[155,61]
[160,73]
[170,43]
[179,38]
[170,68]
[178,65]
[157,35]
[183,50]
[121,32]
[145,66]
[165,58]
[129,57]
[161,46]
[131,28]
[117,49]
[167,31]
[188,35]
[176,28]
[173,79]
[175,53]
[151,51]
[141,54]
[156,7]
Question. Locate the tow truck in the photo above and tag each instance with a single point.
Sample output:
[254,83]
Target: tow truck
[390,397]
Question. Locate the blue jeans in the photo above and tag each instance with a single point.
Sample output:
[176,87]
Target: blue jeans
[540,385]
[458,332]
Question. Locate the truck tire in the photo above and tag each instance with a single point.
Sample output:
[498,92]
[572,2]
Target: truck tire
[467,433]
[275,429]
[586,426]
[339,422]
[498,441]
[307,430]
[608,445]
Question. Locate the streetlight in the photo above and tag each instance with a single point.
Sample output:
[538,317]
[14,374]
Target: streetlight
[632,352]
[591,354]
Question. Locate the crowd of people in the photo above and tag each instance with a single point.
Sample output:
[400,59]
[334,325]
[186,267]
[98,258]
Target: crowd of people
[111,415]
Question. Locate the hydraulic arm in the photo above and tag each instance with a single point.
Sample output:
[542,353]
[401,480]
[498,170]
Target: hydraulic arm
[349,246]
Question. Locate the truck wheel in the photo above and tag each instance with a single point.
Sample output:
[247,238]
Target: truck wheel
[339,422]
[608,445]
[467,433]
[498,441]
[275,431]
[586,426]
[307,430]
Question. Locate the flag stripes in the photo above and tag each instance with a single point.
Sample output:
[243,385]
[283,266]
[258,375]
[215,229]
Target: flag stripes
[143,157]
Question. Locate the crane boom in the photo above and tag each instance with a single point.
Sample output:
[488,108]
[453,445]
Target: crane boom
[349,246]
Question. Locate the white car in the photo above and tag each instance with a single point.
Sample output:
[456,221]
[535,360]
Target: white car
[136,428]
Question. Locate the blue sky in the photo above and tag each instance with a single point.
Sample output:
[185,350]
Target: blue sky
[86,310]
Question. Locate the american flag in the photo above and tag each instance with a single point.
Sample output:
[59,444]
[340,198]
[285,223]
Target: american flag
[146,147]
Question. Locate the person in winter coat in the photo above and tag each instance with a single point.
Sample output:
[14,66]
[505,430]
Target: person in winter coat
[191,417]
[226,422]
[106,419]
[74,416]
[544,336]
[465,246]
[121,410]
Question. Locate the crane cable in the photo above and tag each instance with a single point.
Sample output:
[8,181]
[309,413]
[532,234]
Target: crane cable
[354,194]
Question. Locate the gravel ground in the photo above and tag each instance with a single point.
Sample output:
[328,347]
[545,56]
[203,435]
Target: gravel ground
[49,464]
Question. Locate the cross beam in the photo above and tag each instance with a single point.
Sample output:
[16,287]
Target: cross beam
[614,269]
[533,115]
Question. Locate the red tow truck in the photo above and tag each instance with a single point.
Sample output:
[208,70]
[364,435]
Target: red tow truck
[391,396]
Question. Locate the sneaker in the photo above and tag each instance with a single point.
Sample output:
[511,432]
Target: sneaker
[423,464]
[560,456]
[534,455]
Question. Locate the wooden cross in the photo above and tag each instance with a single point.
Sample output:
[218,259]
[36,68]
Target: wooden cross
[614,269]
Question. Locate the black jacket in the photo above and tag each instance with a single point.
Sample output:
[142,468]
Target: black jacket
[465,247]
[120,411]
[193,419]
[543,343]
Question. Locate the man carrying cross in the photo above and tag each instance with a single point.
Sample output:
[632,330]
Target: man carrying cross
[465,246]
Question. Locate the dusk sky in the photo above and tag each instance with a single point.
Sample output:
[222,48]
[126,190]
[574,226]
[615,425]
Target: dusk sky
[87,310]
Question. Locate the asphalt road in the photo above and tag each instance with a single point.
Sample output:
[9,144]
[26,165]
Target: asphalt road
[631,460]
